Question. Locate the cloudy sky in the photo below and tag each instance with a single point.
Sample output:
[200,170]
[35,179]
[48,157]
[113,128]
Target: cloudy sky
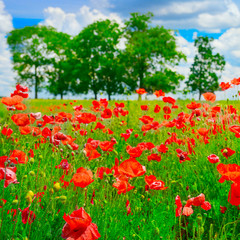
[219,19]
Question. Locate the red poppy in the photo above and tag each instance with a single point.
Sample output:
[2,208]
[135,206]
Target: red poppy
[21,119]
[159,93]
[79,226]
[141,91]
[106,146]
[8,174]
[169,100]
[11,101]
[236,81]
[146,119]
[193,105]
[227,152]
[134,151]
[131,168]
[18,156]
[144,107]
[86,118]
[183,156]
[107,113]
[225,86]
[82,177]
[213,158]
[64,165]
[91,152]
[154,184]
[229,172]
[122,184]
[155,157]
[157,108]
[7,132]
[223,209]
[234,194]
[27,216]
[162,148]
[102,170]
[208,96]
[167,109]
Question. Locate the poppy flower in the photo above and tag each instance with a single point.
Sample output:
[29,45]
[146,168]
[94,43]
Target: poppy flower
[27,216]
[106,146]
[227,152]
[162,148]
[11,101]
[193,105]
[159,93]
[7,132]
[91,152]
[169,100]
[128,207]
[134,151]
[155,157]
[229,172]
[82,177]
[235,129]
[223,209]
[141,91]
[64,165]
[8,174]
[167,109]
[224,86]
[86,118]
[107,113]
[235,81]
[18,156]
[157,108]
[122,184]
[213,158]
[146,119]
[183,156]
[21,119]
[79,226]
[144,107]
[101,171]
[234,194]
[154,184]
[208,96]
[131,168]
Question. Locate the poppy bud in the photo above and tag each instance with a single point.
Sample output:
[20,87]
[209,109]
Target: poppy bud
[225,150]
[199,219]
[32,173]
[25,176]
[40,156]
[31,160]
[30,193]
[28,199]
[15,202]
[56,187]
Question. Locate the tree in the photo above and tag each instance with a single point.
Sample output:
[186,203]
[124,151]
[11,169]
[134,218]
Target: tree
[206,69]
[151,53]
[29,55]
[96,50]
[60,55]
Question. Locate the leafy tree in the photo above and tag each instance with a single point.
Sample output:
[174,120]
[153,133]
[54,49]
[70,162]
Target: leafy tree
[60,55]
[206,69]
[151,53]
[96,52]
[29,55]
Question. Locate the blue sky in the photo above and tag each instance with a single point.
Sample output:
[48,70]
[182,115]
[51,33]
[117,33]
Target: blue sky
[219,19]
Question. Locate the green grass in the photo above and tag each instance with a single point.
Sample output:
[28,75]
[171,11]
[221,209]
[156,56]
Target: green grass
[153,212]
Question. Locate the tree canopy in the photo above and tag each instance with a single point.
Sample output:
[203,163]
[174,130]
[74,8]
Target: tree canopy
[207,67]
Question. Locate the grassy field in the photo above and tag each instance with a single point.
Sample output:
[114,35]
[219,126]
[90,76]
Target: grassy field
[150,214]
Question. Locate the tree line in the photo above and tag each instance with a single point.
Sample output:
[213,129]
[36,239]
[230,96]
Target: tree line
[106,57]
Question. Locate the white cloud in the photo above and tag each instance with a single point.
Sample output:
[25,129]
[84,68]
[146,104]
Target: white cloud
[182,8]
[72,23]
[229,18]
[6,73]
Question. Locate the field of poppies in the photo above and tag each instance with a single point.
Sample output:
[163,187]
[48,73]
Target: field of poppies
[86,170]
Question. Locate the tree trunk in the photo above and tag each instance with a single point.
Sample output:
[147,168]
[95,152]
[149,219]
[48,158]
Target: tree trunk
[36,83]
[95,95]
[109,97]
[61,94]
[200,94]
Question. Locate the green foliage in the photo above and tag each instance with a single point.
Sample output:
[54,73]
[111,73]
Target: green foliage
[151,52]
[206,68]
[29,51]
[98,59]
[59,73]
